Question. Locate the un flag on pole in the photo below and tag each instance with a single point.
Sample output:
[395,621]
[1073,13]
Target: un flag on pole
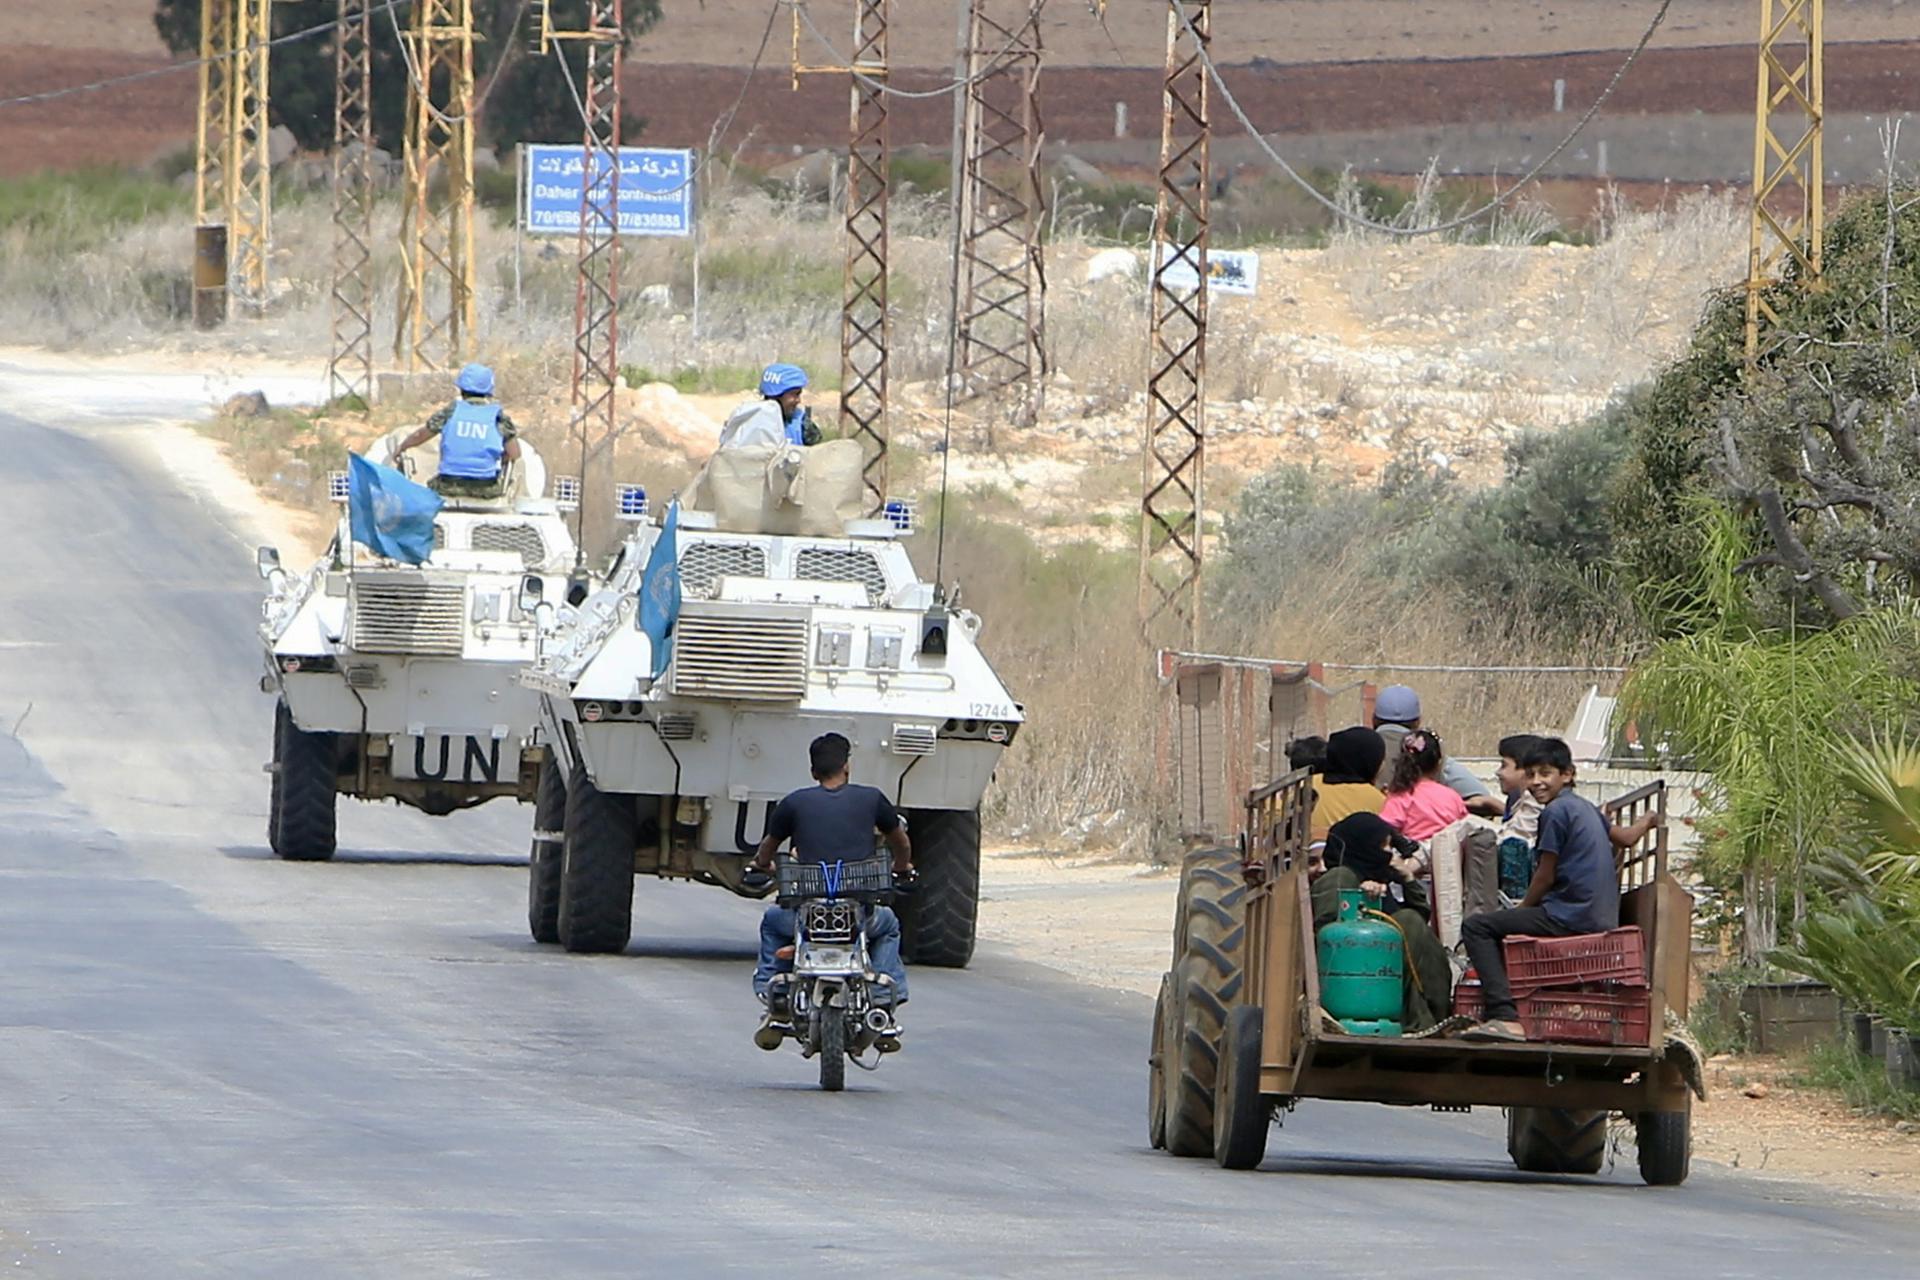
[660,590]
[388,513]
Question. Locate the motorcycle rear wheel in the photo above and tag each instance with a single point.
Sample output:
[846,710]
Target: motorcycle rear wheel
[833,1049]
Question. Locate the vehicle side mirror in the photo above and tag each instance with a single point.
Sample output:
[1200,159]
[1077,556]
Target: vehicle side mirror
[533,592]
[267,559]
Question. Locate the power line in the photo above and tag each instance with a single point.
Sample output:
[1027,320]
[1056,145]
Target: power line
[722,123]
[1526,179]
[115,81]
[991,66]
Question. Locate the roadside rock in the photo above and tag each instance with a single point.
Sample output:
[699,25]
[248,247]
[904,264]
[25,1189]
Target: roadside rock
[281,145]
[248,404]
[1074,169]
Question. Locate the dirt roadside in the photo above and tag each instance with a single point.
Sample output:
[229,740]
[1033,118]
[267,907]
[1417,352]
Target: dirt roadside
[1109,923]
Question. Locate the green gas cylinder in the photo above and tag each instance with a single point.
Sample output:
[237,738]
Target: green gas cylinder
[1361,965]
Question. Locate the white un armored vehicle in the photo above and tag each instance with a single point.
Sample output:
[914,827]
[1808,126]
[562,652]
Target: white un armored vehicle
[395,681]
[794,621]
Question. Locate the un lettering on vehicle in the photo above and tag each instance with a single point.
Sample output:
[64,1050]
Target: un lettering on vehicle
[471,759]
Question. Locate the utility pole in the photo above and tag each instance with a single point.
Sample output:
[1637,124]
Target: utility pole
[1788,215]
[350,364]
[1787,220]
[1002,325]
[1172,539]
[232,188]
[596,312]
[865,328]
[436,220]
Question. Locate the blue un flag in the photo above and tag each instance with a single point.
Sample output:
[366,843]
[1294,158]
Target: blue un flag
[660,590]
[388,513]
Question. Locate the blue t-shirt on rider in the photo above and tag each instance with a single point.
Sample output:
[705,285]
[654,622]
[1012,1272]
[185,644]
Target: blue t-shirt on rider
[829,824]
[1585,897]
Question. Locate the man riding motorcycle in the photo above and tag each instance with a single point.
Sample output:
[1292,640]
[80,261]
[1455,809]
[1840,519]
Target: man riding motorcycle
[829,822]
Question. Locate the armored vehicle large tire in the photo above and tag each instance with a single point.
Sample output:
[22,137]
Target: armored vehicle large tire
[596,872]
[300,820]
[1665,1139]
[1556,1140]
[937,921]
[1206,984]
[545,857]
[1240,1114]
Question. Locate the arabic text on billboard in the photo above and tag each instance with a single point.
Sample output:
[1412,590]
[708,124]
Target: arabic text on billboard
[1235,271]
[655,194]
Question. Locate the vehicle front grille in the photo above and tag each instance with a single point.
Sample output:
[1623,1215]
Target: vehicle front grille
[407,615]
[826,564]
[831,921]
[523,538]
[703,564]
[754,658]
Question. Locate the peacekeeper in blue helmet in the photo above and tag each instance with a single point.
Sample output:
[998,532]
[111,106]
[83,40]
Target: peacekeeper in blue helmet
[477,439]
[777,416]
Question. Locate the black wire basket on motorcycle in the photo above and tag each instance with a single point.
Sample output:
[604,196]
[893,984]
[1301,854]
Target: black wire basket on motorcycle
[868,879]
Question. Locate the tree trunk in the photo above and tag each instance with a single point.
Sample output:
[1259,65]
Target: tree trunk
[1759,916]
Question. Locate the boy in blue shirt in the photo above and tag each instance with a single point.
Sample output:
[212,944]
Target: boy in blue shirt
[1575,886]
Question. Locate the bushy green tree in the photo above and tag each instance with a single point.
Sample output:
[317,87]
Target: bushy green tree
[522,95]
[1817,452]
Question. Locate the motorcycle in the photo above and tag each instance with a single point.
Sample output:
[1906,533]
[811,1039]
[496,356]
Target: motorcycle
[836,1008]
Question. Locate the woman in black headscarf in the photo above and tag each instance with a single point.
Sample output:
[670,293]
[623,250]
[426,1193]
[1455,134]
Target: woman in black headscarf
[1345,785]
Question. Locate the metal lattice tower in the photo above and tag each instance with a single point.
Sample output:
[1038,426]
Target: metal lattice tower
[436,228]
[1172,546]
[596,314]
[865,327]
[232,176]
[864,323]
[1003,268]
[350,364]
[1788,216]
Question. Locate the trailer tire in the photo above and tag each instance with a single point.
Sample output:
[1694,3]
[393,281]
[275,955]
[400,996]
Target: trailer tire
[1556,1140]
[1207,982]
[596,868]
[1665,1141]
[937,922]
[300,824]
[1156,1068]
[1241,1115]
[545,859]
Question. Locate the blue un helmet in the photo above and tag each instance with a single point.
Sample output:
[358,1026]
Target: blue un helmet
[778,379]
[474,380]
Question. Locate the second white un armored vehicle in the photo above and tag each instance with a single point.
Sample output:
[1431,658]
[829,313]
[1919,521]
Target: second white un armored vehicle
[395,681]
[793,621]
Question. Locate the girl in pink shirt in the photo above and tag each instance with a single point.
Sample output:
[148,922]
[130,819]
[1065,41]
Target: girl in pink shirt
[1418,803]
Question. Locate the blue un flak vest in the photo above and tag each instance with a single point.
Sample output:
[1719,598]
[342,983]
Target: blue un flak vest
[470,443]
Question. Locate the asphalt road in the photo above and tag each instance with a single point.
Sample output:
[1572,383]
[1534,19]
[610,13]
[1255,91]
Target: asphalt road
[213,1063]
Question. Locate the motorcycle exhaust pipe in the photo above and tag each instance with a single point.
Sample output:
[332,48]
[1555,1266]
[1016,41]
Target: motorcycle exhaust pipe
[878,1020]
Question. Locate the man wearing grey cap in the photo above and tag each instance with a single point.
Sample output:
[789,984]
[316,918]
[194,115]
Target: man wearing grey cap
[1396,713]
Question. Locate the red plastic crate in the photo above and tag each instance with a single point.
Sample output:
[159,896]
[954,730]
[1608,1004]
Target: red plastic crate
[1610,1014]
[1615,1016]
[1618,956]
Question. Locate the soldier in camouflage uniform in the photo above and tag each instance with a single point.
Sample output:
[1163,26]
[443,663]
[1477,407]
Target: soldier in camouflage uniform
[482,439]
